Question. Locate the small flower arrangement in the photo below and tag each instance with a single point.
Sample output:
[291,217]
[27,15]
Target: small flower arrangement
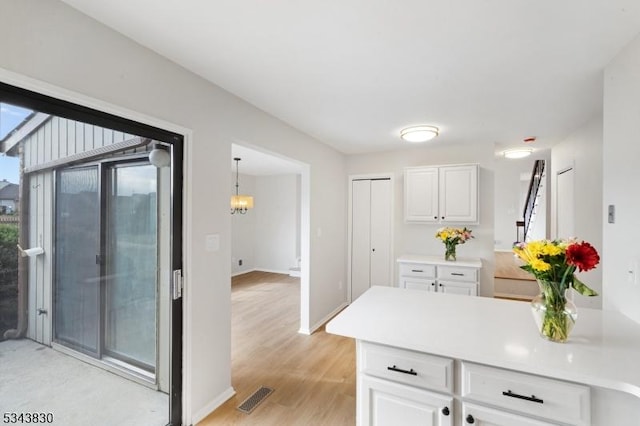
[554,264]
[451,237]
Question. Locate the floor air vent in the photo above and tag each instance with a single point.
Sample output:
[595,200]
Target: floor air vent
[254,400]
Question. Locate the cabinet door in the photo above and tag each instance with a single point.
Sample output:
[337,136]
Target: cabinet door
[418,284]
[386,403]
[421,195]
[458,194]
[455,287]
[477,415]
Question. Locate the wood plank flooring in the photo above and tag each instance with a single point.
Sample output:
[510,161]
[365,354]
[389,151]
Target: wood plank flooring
[313,376]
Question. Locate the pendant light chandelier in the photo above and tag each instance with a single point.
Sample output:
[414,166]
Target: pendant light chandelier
[240,203]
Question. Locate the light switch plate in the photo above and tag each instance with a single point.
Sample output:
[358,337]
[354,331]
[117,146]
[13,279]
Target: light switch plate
[212,242]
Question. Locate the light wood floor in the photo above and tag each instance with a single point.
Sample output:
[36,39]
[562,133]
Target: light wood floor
[313,376]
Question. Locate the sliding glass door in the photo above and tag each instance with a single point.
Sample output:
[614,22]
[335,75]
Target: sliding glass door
[106,284]
[131,264]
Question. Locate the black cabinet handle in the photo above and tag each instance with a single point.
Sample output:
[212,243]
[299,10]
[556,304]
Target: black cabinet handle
[442,217]
[457,274]
[417,270]
[400,370]
[445,411]
[531,398]
[470,419]
[433,284]
[435,217]
[440,285]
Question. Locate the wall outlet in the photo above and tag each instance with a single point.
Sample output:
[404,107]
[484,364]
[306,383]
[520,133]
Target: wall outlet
[240,262]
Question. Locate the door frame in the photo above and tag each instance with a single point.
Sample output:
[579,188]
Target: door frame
[39,96]
[371,176]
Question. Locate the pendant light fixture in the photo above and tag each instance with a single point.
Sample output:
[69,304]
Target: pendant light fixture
[240,203]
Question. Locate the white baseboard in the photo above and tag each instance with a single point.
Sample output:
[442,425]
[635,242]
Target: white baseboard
[320,323]
[242,272]
[212,405]
[273,271]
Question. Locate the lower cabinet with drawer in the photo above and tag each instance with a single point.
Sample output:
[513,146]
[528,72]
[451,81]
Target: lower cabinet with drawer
[431,273]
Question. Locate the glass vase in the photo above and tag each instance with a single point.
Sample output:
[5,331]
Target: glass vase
[450,251]
[554,313]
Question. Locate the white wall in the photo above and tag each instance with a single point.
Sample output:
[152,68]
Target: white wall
[621,174]
[582,150]
[510,196]
[267,237]
[277,225]
[81,60]
[243,228]
[420,238]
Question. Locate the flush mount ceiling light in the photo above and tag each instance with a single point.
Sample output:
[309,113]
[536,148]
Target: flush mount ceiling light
[517,153]
[419,133]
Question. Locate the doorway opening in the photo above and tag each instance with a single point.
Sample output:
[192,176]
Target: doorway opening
[272,237]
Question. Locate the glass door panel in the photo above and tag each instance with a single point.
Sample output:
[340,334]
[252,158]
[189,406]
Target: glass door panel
[131,265]
[77,269]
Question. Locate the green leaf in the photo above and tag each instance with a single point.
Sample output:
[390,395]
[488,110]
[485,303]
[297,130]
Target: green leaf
[582,288]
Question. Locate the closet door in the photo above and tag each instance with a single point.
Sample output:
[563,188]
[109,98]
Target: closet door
[360,237]
[370,234]
[380,232]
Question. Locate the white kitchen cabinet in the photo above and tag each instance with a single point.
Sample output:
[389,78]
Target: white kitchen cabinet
[432,273]
[385,403]
[441,194]
[370,236]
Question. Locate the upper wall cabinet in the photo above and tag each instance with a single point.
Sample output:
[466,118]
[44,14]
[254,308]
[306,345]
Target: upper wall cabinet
[441,194]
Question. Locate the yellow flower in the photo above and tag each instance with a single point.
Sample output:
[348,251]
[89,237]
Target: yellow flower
[551,249]
[539,265]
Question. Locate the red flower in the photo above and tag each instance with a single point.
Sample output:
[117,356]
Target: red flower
[583,255]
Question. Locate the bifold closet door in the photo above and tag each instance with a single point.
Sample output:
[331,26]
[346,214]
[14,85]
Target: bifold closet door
[380,232]
[370,234]
[360,237]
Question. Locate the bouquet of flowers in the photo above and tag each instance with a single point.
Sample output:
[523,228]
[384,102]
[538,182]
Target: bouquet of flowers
[554,264]
[451,237]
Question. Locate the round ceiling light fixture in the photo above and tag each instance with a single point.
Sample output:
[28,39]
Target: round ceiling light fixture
[419,133]
[517,153]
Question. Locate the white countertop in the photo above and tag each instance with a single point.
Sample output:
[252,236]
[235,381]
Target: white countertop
[603,348]
[439,260]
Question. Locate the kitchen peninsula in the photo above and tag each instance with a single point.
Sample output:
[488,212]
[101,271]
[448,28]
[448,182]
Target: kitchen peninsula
[441,359]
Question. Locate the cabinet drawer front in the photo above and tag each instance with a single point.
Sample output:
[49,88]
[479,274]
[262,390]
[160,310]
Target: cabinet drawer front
[538,396]
[457,273]
[404,366]
[417,270]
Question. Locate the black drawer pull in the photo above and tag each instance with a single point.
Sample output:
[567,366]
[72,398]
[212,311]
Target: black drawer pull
[531,398]
[400,370]
[417,270]
[457,274]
